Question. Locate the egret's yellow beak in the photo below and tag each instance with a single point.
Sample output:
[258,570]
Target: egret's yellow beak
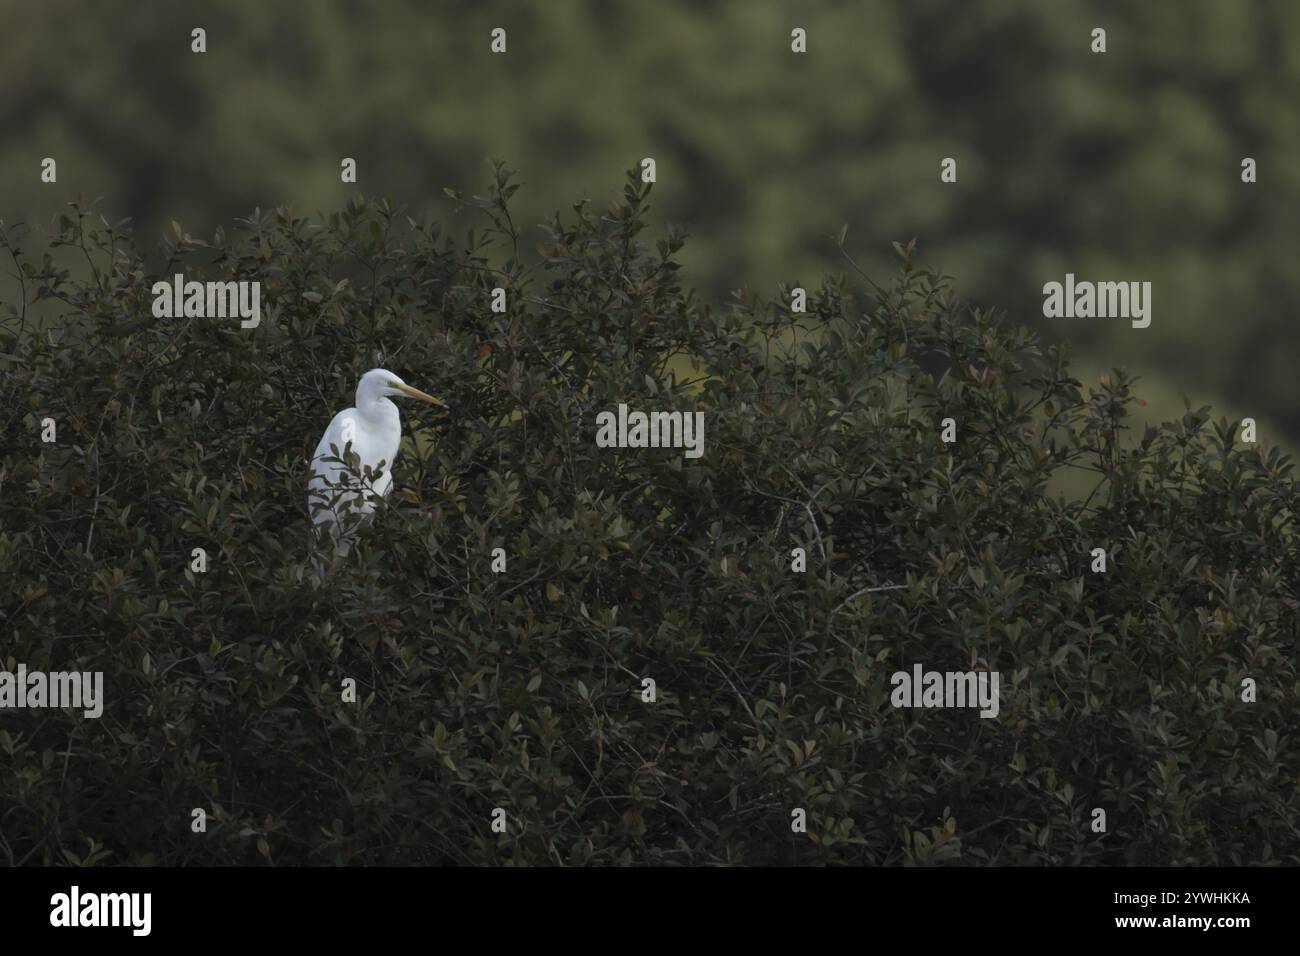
[416,393]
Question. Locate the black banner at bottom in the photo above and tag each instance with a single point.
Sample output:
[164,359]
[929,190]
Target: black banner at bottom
[338,906]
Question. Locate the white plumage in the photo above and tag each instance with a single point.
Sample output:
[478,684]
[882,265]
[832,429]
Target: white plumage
[374,429]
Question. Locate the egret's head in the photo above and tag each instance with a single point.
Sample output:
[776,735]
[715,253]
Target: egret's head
[381,383]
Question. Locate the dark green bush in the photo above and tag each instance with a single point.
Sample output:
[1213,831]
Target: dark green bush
[522,690]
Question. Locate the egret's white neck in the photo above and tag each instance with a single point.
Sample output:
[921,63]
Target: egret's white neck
[377,409]
[374,404]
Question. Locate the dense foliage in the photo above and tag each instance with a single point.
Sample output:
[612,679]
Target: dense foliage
[1123,166]
[523,690]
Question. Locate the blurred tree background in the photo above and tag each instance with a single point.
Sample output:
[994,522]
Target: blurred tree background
[1122,166]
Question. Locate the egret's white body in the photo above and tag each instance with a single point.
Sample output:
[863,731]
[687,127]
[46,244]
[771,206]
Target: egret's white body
[374,429]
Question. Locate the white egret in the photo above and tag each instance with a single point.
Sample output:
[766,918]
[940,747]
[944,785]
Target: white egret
[374,430]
